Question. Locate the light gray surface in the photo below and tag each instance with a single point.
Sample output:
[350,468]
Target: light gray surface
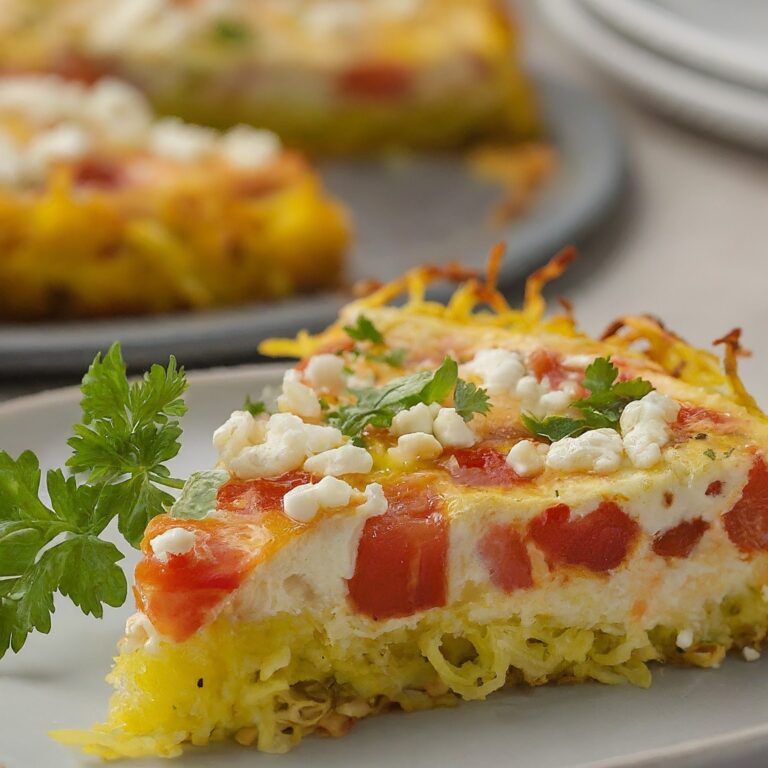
[728,109]
[725,39]
[405,214]
[687,718]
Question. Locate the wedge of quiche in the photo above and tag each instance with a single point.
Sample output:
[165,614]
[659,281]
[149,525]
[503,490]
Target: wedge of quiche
[105,210]
[447,500]
[334,76]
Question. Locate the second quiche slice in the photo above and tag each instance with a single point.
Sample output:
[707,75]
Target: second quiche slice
[448,500]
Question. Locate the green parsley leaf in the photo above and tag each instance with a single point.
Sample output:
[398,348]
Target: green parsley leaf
[601,409]
[364,330]
[199,495]
[470,399]
[378,406]
[231,31]
[394,358]
[710,454]
[254,407]
[128,432]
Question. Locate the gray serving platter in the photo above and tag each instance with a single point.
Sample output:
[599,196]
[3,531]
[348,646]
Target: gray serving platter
[405,213]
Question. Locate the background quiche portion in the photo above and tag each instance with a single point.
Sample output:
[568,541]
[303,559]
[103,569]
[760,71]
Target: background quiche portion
[327,75]
[444,500]
[105,210]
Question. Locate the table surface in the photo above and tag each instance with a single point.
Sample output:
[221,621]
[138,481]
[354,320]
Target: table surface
[689,241]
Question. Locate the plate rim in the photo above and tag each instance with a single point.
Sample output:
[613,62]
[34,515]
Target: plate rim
[724,108]
[669,33]
[266,373]
[230,334]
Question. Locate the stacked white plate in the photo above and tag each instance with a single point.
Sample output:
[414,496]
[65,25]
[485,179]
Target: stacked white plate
[705,61]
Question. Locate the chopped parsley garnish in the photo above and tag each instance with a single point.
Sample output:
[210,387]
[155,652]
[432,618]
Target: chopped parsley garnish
[377,406]
[710,454]
[364,330]
[127,434]
[231,31]
[254,407]
[602,408]
[394,358]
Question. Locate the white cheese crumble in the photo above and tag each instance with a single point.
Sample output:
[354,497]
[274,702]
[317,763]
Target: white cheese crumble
[418,418]
[303,502]
[415,446]
[176,140]
[538,399]
[249,148]
[599,450]
[344,460]
[499,369]
[297,397]
[578,361]
[174,541]
[239,431]
[375,503]
[64,142]
[750,654]
[527,458]
[326,373]
[684,639]
[283,449]
[139,633]
[451,429]
[644,427]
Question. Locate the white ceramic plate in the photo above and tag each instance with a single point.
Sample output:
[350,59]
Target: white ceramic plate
[427,210]
[726,39]
[688,718]
[728,109]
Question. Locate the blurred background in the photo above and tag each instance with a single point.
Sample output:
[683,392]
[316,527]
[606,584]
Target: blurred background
[652,160]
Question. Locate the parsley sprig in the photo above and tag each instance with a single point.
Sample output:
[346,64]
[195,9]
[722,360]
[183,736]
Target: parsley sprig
[377,406]
[128,432]
[602,408]
[365,331]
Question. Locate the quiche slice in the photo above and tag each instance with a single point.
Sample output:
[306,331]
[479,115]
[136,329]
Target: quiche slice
[447,500]
[334,76]
[106,211]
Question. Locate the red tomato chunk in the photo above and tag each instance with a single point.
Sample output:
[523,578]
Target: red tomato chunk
[598,541]
[504,552]
[747,522]
[402,557]
[481,467]
[680,540]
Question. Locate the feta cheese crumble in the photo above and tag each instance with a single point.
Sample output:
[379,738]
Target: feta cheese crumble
[326,373]
[645,428]
[540,400]
[750,654]
[418,418]
[684,639]
[174,541]
[451,429]
[499,369]
[415,446]
[599,450]
[344,460]
[297,397]
[527,458]
[303,502]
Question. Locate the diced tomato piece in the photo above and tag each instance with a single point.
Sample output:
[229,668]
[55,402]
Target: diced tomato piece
[376,80]
[506,556]
[543,363]
[481,466]
[680,540]
[747,522]
[257,496]
[402,557]
[715,488]
[599,540]
[99,172]
[72,65]
[179,594]
[693,415]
